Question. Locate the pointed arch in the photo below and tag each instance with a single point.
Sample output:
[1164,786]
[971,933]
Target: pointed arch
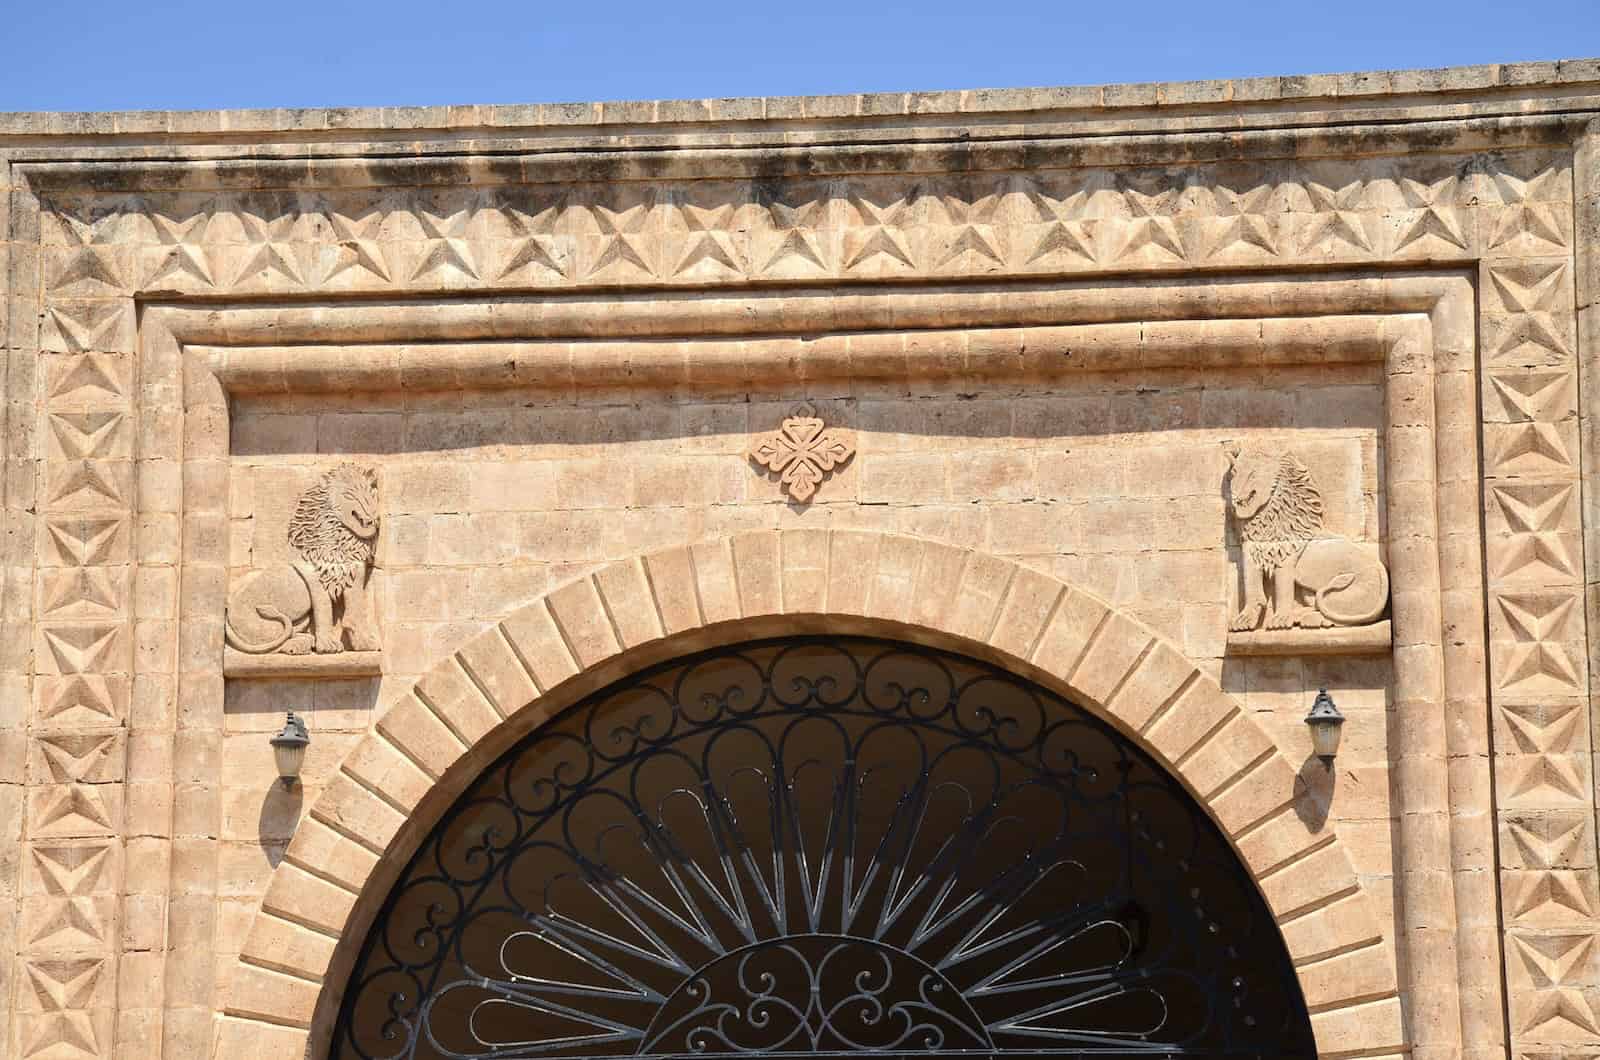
[431,742]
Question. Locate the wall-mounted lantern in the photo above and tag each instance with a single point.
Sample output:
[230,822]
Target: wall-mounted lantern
[289,748]
[1325,723]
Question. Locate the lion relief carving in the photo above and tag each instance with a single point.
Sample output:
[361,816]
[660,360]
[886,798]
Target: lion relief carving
[318,602]
[1296,574]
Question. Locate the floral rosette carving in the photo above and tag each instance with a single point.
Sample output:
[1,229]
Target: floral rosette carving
[802,451]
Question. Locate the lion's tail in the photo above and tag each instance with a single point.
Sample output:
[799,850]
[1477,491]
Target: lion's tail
[1355,618]
[271,644]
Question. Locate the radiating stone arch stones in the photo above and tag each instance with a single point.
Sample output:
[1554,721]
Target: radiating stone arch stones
[472,705]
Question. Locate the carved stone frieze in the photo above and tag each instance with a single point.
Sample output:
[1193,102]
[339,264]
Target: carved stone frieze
[709,232]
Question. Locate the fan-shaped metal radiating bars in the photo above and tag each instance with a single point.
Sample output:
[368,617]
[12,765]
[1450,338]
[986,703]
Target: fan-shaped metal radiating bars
[823,846]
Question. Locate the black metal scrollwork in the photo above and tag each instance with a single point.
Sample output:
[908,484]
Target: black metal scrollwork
[820,846]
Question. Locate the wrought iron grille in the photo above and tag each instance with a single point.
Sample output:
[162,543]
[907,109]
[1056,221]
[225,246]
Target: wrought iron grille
[823,846]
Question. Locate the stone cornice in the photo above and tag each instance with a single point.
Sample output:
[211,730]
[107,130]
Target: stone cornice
[1327,100]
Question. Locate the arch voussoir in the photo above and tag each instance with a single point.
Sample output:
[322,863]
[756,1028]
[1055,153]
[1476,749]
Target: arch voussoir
[513,675]
[581,617]
[493,666]
[532,634]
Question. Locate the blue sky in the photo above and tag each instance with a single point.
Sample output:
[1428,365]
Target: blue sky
[96,55]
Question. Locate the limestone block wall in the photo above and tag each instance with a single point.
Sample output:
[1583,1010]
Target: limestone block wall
[557,335]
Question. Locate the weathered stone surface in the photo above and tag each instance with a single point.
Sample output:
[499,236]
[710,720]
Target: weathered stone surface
[1021,362]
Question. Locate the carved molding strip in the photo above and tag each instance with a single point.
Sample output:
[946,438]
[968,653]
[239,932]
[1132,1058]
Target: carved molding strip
[711,232]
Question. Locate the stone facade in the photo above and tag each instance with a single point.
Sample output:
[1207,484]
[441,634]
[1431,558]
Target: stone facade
[1186,400]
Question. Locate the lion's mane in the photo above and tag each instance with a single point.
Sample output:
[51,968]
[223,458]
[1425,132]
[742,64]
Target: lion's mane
[338,556]
[1290,518]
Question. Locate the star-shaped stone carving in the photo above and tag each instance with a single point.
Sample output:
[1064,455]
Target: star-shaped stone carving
[1555,965]
[1069,231]
[1545,780]
[1338,218]
[531,226]
[1530,449]
[68,1035]
[1152,226]
[81,592]
[1535,656]
[70,923]
[1529,218]
[72,809]
[1537,543]
[876,232]
[80,541]
[705,245]
[85,483]
[1540,728]
[89,270]
[622,227]
[267,222]
[797,223]
[78,699]
[73,326]
[802,451]
[1539,298]
[1548,841]
[447,250]
[70,871]
[80,435]
[1529,394]
[1547,894]
[968,231]
[89,378]
[353,230]
[82,649]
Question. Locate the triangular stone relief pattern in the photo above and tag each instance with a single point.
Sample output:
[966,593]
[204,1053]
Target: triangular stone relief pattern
[74,810]
[1533,531]
[83,325]
[74,757]
[1531,449]
[81,700]
[79,435]
[1516,395]
[1549,841]
[90,484]
[1546,780]
[89,272]
[1549,896]
[1541,727]
[57,985]
[88,380]
[1428,220]
[1537,648]
[82,592]
[61,925]
[470,237]
[85,649]
[63,1036]
[85,541]
[71,870]
[1556,967]
[63,999]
